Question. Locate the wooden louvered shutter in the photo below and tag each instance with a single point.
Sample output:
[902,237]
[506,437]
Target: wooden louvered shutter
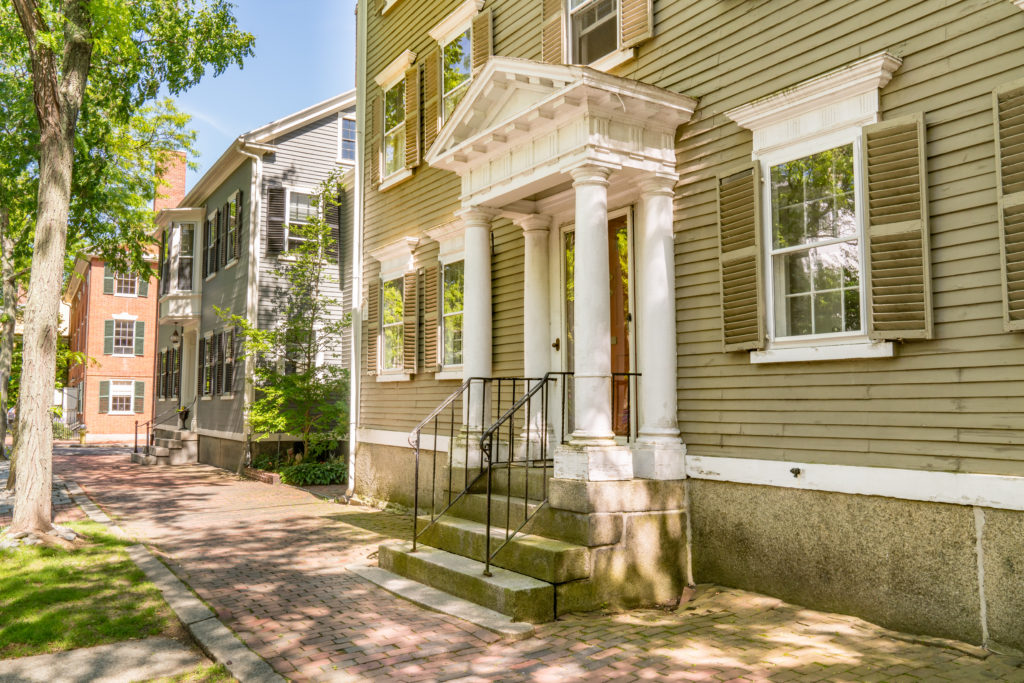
[275,220]
[218,372]
[552,32]
[202,367]
[177,372]
[739,233]
[139,402]
[412,116]
[431,97]
[229,361]
[104,396]
[431,319]
[899,285]
[206,248]
[140,337]
[636,21]
[376,126]
[108,337]
[161,364]
[222,237]
[143,287]
[372,325]
[108,279]
[410,321]
[1009,120]
[236,241]
[332,216]
[483,39]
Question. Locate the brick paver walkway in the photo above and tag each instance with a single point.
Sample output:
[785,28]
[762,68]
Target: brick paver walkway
[271,560]
[64,509]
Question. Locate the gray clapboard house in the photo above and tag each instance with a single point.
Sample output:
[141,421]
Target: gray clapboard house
[220,248]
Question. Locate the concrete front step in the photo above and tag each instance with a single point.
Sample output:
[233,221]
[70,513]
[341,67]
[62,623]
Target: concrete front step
[473,506]
[173,433]
[519,479]
[167,443]
[538,557]
[521,597]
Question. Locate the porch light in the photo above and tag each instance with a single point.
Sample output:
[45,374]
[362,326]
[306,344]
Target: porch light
[175,340]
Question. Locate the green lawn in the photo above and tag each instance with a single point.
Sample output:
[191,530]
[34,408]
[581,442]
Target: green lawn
[54,600]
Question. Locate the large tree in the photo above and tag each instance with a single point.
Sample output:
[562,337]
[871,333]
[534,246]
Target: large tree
[127,50]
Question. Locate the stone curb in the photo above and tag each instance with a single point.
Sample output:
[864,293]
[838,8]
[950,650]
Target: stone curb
[445,603]
[214,638]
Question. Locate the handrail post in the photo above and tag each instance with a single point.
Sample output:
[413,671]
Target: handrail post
[487,534]
[136,436]
[416,495]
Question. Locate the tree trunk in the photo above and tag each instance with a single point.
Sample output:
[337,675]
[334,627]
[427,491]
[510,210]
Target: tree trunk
[58,100]
[10,307]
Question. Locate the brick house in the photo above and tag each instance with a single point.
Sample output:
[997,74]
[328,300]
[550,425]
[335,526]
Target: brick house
[112,320]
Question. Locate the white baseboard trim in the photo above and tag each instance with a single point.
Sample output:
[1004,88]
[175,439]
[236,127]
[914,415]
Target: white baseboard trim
[217,434]
[385,437]
[957,488]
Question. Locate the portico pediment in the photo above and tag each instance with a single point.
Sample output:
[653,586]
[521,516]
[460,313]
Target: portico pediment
[521,121]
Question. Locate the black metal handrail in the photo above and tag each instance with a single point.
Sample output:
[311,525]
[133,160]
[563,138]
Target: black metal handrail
[442,422]
[145,424]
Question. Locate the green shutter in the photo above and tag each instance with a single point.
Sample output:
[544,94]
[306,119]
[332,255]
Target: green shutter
[139,404]
[104,396]
[108,337]
[140,338]
[740,270]
[108,279]
[143,287]
[1009,122]
[899,285]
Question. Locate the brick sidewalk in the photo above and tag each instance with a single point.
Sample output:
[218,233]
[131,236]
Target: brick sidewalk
[64,509]
[271,560]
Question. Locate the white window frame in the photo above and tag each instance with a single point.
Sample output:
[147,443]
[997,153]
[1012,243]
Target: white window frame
[388,78]
[447,30]
[131,346]
[120,278]
[289,191]
[450,367]
[342,118]
[398,129]
[122,394]
[174,253]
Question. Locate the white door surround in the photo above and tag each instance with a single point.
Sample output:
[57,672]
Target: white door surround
[548,144]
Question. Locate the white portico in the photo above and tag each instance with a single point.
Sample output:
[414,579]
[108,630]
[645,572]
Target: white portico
[559,148]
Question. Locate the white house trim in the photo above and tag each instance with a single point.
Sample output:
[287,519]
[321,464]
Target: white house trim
[395,71]
[396,258]
[956,488]
[124,316]
[819,352]
[450,236]
[455,23]
[384,437]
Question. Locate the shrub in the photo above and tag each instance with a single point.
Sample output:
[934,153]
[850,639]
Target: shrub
[315,473]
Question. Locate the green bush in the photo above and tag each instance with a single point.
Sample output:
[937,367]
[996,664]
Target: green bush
[315,473]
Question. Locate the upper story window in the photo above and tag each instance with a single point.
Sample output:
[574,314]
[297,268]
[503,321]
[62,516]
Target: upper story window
[348,139]
[815,258]
[593,29]
[457,71]
[186,255]
[124,337]
[125,284]
[392,315]
[394,128]
[301,210]
[452,291]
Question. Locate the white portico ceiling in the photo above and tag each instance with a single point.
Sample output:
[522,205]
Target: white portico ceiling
[522,123]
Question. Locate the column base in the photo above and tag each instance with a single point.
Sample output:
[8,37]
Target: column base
[659,460]
[588,462]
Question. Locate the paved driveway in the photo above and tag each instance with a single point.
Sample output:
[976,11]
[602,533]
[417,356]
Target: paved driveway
[271,560]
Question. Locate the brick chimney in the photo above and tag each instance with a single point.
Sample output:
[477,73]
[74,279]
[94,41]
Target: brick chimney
[171,189]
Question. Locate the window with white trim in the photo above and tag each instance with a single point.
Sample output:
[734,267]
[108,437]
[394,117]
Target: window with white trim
[394,129]
[814,249]
[124,337]
[348,139]
[301,209]
[392,330]
[126,284]
[456,71]
[122,393]
[186,255]
[452,305]
[593,29]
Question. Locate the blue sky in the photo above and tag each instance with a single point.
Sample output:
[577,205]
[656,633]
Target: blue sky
[305,53]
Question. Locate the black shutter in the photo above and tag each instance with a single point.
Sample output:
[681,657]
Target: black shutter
[237,241]
[219,368]
[202,367]
[222,256]
[206,248]
[332,215]
[275,220]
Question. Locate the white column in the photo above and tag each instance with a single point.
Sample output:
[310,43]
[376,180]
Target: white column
[536,312]
[660,452]
[592,453]
[592,309]
[476,329]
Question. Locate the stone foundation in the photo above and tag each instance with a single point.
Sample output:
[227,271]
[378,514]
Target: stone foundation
[227,454]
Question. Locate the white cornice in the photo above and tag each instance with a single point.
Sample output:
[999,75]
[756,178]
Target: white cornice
[1018,3]
[396,257]
[456,22]
[283,126]
[395,71]
[860,78]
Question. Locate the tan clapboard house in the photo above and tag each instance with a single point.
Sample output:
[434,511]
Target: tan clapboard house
[730,291]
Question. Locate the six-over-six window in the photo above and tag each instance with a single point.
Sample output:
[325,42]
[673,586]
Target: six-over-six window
[457,71]
[815,252]
[394,128]
[393,311]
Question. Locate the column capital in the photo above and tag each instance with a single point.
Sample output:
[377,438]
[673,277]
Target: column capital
[533,222]
[476,216]
[590,174]
[658,185]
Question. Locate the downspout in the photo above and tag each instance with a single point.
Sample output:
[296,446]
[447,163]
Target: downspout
[252,290]
[357,248]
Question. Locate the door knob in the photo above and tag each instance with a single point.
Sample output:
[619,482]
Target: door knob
[557,345]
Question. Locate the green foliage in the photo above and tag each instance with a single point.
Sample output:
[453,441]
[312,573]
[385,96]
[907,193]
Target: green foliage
[315,473]
[299,390]
[54,600]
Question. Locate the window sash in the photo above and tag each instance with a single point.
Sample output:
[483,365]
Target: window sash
[126,284]
[122,393]
[124,338]
[394,150]
[392,326]
[461,70]
[348,139]
[578,34]
[452,319]
[295,215]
